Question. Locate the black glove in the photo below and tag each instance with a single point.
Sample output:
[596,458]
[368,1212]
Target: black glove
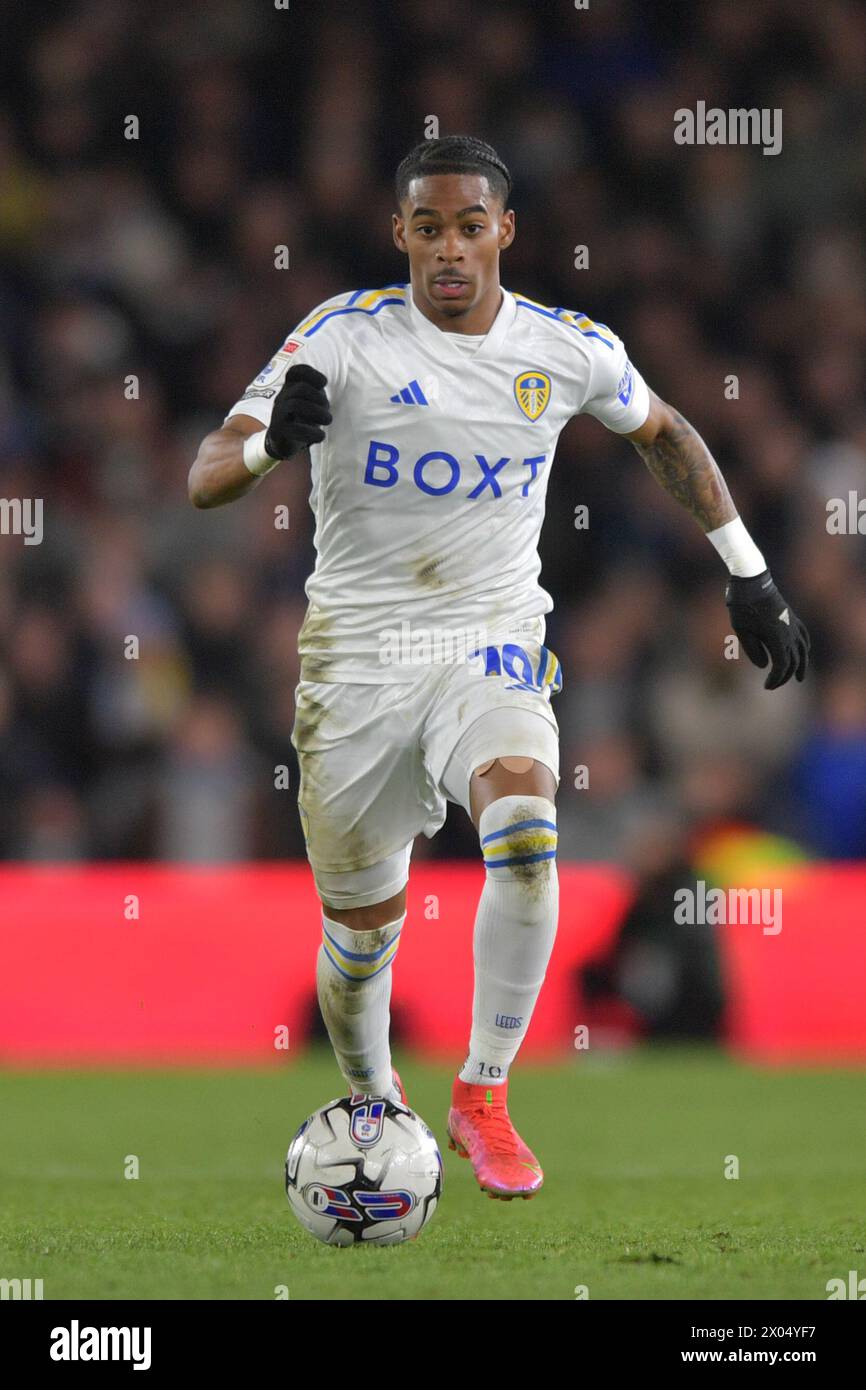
[768,628]
[300,408]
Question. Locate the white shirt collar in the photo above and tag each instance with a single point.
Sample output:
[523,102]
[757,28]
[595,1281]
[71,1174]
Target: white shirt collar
[441,341]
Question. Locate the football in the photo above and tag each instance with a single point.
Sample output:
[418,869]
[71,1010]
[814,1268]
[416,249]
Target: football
[363,1169]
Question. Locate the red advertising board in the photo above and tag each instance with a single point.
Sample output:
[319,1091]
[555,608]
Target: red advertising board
[146,965]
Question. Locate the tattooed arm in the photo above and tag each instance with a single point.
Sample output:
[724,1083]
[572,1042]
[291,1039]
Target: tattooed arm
[680,461]
[766,625]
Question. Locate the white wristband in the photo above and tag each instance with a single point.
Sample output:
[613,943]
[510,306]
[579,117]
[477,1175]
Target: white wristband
[256,459]
[737,549]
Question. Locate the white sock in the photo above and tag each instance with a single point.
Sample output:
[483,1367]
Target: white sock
[353,982]
[515,928]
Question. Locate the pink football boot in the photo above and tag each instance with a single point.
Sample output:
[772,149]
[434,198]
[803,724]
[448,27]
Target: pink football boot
[479,1129]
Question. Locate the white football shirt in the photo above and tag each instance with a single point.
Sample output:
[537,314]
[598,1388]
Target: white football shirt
[428,490]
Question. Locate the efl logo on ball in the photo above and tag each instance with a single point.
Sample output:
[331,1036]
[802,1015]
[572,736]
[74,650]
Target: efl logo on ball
[366,1127]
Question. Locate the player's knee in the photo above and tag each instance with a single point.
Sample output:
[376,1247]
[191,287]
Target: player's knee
[369,917]
[365,899]
[518,841]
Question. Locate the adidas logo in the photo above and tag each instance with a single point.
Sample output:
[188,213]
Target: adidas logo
[410,395]
[785,618]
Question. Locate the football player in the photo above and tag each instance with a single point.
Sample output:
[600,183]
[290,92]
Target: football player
[431,409]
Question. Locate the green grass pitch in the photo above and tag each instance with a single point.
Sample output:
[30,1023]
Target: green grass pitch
[635,1203]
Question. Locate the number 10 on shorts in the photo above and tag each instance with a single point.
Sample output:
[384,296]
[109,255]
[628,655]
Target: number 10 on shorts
[543,673]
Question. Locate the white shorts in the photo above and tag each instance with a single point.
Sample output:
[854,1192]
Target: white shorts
[379,763]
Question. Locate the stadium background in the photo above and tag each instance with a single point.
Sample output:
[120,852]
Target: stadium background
[155,257]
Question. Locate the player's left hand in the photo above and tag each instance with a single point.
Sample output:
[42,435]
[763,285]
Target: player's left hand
[768,628]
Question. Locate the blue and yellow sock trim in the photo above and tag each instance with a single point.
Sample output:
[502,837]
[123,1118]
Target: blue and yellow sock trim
[358,965]
[523,842]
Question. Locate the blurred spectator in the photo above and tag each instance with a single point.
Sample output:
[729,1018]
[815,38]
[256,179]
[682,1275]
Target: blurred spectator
[706,703]
[207,787]
[667,973]
[829,775]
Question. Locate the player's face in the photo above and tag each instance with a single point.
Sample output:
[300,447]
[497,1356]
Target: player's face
[452,227]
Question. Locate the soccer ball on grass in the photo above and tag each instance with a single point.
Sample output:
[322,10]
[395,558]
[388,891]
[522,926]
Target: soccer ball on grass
[364,1170]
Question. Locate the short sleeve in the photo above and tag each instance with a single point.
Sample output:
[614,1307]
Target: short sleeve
[617,394]
[304,344]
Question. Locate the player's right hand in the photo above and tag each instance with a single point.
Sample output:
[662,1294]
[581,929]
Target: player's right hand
[300,409]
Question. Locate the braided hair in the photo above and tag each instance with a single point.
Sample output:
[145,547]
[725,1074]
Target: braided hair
[454,154]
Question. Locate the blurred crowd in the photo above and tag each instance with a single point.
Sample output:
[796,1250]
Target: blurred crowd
[139,296]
